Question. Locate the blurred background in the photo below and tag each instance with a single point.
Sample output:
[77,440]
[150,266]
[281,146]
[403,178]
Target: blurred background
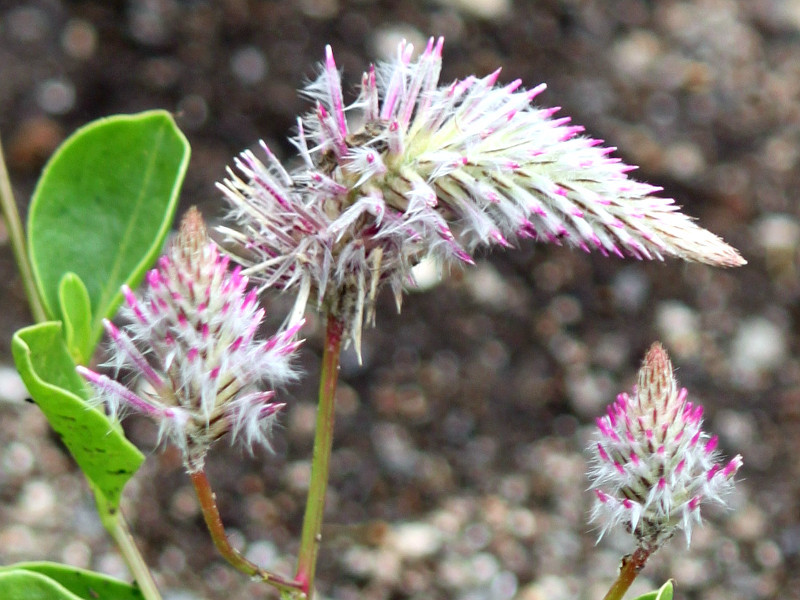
[458,465]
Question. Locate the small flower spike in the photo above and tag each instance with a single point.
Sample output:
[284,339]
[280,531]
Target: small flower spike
[422,170]
[191,338]
[652,464]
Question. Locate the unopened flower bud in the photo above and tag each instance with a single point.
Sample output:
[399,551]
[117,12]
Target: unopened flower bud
[191,338]
[652,464]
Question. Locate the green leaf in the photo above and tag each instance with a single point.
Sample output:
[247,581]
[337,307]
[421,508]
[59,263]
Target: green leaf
[663,593]
[75,303]
[102,208]
[83,584]
[102,452]
[25,585]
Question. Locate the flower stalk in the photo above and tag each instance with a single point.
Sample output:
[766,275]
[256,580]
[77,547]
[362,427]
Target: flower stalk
[311,537]
[208,505]
[632,565]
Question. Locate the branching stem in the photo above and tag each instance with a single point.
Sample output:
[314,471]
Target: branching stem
[208,505]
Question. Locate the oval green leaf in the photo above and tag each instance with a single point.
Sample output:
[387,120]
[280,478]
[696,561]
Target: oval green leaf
[103,206]
[102,452]
[25,585]
[84,584]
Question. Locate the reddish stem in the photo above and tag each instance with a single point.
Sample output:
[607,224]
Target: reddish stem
[208,504]
[632,564]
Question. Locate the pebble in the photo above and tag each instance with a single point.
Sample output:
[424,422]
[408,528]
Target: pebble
[394,448]
[383,41]
[17,541]
[11,387]
[112,564]
[690,571]
[548,587]
[27,23]
[79,39]
[181,595]
[748,523]
[18,460]
[630,288]
[483,9]
[192,112]
[77,554]
[758,348]
[33,141]
[319,9]
[416,540]
[36,502]
[589,393]
[262,553]
[426,275]
[679,328]
[768,554]
[487,287]
[249,65]
[503,586]
[172,560]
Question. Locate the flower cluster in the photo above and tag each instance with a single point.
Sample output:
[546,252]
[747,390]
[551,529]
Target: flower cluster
[413,169]
[191,337]
[653,465]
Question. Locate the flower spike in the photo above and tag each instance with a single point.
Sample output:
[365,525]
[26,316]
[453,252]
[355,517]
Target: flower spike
[652,464]
[191,338]
[432,171]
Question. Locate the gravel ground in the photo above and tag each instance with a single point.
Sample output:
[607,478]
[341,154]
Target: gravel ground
[458,468]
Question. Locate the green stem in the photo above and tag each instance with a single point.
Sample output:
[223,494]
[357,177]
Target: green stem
[323,440]
[115,524]
[16,234]
[632,564]
[208,505]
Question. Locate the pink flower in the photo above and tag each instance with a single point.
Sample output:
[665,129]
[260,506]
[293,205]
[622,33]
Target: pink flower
[652,464]
[414,169]
[191,339]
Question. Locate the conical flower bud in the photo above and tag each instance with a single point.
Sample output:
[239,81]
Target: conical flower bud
[652,464]
[192,338]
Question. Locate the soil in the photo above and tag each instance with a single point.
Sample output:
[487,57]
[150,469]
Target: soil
[458,468]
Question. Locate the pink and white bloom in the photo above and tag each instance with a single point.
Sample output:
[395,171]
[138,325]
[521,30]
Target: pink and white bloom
[653,466]
[414,169]
[191,339]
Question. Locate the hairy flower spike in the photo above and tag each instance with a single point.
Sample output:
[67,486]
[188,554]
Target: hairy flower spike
[191,338]
[422,170]
[653,465]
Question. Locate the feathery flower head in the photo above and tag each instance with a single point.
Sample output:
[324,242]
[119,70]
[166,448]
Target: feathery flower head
[191,337]
[422,170]
[653,465]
